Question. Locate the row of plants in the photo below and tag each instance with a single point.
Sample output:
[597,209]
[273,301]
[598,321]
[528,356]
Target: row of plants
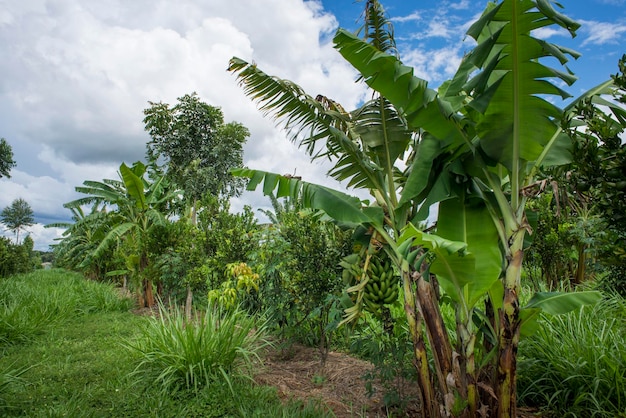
[446,300]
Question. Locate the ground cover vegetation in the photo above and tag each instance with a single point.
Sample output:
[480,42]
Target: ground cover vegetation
[71,347]
[527,248]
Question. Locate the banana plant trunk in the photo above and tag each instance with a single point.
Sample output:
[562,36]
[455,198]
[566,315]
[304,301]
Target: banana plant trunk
[188,302]
[509,332]
[430,407]
[147,295]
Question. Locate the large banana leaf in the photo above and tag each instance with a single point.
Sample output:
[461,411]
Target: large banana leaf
[134,186]
[470,222]
[554,303]
[337,205]
[310,121]
[511,89]
[409,94]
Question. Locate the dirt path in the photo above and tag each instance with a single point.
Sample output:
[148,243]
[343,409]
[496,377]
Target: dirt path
[296,372]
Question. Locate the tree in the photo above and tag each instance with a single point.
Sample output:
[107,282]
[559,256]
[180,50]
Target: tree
[17,216]
[6,158]
[475,147]
[137,204]
[199,150]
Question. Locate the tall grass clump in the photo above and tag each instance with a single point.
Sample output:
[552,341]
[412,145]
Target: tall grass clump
[30,302]
[575,365]
[181,354]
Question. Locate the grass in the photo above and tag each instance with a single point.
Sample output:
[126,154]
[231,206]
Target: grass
[575,366]
[73,362]
[191,354]
[31,302]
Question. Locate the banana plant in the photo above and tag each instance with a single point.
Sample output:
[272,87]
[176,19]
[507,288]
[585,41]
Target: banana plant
[474,147]
[135,204]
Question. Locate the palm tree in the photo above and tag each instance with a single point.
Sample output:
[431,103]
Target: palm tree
[474,147]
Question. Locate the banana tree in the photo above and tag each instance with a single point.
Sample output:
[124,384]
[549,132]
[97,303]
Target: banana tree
[80,238]
[136,204]
[474,147]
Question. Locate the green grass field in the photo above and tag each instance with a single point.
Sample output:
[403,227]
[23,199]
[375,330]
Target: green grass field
[63,345]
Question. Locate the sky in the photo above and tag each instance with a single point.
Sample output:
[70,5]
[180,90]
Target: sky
[76,75]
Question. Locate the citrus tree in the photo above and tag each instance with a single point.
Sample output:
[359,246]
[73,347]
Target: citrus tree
[474,147]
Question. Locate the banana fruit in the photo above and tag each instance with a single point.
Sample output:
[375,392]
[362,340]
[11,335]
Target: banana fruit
[375,283]
[382,286]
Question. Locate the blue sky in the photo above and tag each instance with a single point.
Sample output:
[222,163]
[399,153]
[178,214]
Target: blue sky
[434,31]
[76,75]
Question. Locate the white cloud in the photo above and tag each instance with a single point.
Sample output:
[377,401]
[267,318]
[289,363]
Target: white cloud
[546,32]
[462,5]
[600,33]
[434,65]
[408,18]
[77,75]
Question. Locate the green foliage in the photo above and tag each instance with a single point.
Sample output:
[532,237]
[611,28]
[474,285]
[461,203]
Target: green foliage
[15,259]
[225,237]
[243,281]
[198,147]
[10,377]
[17,216]
[6,158]
[298,260]
[130,208]
[177,354]
[388,347]
[75,251]
[575,365]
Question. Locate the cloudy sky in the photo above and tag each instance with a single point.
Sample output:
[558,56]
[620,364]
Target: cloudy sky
[75,75]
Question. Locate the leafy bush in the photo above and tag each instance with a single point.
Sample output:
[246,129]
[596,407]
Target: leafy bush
[575,365]
[189,355]
[614,280]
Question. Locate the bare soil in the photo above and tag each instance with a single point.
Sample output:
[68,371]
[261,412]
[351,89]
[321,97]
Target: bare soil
[297,373]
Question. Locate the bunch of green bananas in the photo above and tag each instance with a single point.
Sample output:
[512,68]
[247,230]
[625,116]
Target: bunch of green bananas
[382,287]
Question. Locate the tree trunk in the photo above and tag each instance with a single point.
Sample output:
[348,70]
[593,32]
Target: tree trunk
[149,294]
[188,303]
[580,270]
[436,331]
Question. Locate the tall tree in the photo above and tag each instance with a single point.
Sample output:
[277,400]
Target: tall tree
[6,158]
[17,216]
[474,146]
[199,150]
